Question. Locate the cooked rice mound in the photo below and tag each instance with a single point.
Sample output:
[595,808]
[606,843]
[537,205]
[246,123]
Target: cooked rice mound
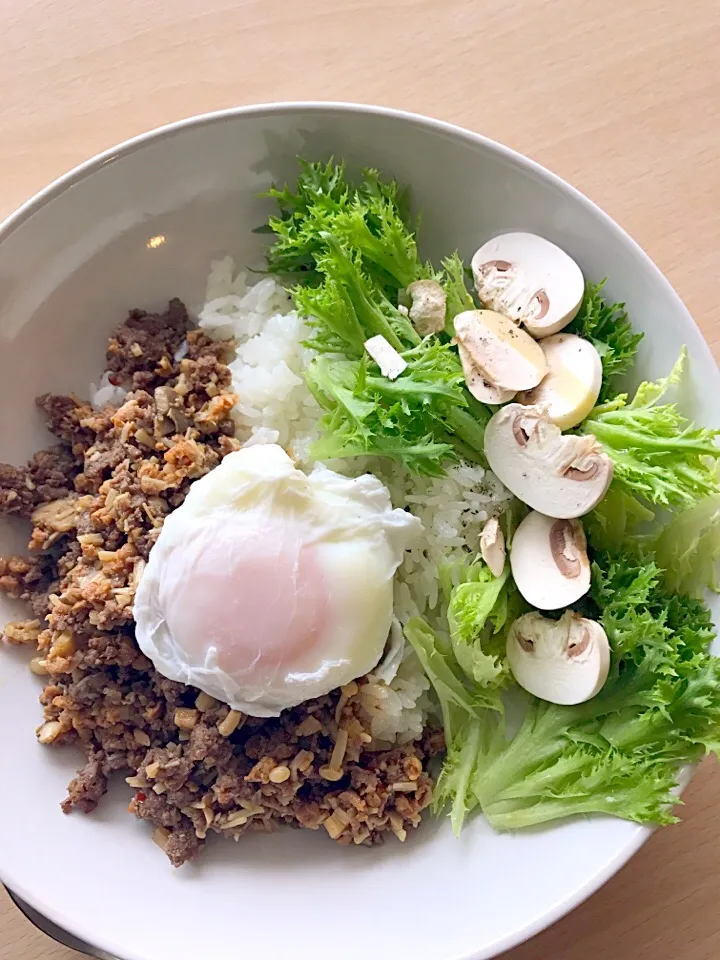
[97,502]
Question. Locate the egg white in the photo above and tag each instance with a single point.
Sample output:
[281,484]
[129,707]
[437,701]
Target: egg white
[343,530]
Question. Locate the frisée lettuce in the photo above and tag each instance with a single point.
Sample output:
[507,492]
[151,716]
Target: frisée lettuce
[349,245]
[351,250]
[656,452]
[619,753]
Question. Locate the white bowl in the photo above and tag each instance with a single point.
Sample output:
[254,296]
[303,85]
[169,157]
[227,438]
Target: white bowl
[72,261]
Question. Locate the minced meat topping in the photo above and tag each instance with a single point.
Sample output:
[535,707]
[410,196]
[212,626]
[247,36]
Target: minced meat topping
[97,502]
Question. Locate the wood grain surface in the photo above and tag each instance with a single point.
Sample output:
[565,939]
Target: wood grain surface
[621,99]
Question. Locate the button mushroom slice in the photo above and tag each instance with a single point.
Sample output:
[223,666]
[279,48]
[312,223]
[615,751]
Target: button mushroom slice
[549,561]
[478,385]
[572,386]
[507,357]
[492,546]
[427,312]
[385,356]
[529,280]
[560,476]
[563,661]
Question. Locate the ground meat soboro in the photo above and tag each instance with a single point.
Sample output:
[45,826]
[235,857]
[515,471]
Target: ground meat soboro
[97,503]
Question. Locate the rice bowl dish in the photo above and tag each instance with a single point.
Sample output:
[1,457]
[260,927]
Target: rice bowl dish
[466,513]
[276,408]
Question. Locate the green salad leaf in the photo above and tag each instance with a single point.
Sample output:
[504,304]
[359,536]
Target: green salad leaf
[303,213]
[468,672]
[371,217]
[349,245]
[349,307]
[420,419]
[621,752]
[615,521]
[466,720]
[456,697]
[351,249]
[688,548]
[454,282]
[657,453]
[481,607]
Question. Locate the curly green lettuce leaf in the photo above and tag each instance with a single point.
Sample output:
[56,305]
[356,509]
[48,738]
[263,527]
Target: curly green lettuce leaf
[454,785]
[370,217]
[616,519]
[456,697]
[350,306]
[580,780]
[454,283]
[387,246]
[608,328]
[420,419]
[304,213]
[621,752]
[466,720]
[657,453]
[480,608]
[688,548]
[351,248]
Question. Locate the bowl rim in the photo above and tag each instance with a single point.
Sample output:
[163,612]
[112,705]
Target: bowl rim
[129,146]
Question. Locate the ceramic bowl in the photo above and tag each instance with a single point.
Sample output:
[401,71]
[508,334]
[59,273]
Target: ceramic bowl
[72,261]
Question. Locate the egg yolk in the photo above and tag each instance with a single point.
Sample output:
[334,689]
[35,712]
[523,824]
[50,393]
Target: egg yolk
[245,598]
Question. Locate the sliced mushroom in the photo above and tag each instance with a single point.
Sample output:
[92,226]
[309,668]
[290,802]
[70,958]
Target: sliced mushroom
[492,546]
[563,661]
[529,280]
[549,561]
[560,476]
[170,418]
[385,356]
[427,312]
[479,387]
[504,354]
[572,386]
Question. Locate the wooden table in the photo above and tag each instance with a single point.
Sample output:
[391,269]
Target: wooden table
[622,99]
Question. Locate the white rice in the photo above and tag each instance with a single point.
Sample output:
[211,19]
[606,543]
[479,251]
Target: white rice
[453,510]
[275,406]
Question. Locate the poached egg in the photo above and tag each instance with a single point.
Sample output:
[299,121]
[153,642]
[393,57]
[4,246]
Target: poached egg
[269,586]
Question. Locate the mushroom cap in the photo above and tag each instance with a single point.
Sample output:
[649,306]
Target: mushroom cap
[492,546]
[530,280]
[504,354]
[572,385]
[478,385]
[549,561]
[560,476]
[427,312]
[563,661]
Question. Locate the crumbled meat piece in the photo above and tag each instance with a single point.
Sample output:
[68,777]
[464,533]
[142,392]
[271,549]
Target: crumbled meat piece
[16,490]
[182,845]
[69,419]
[52,473]
[206,743]
[48,476]
[87,789]
[141,343]
[23,578]
[97,503]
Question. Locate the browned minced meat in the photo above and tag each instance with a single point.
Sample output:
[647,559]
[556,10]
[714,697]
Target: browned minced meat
[47,477]
[97,503]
